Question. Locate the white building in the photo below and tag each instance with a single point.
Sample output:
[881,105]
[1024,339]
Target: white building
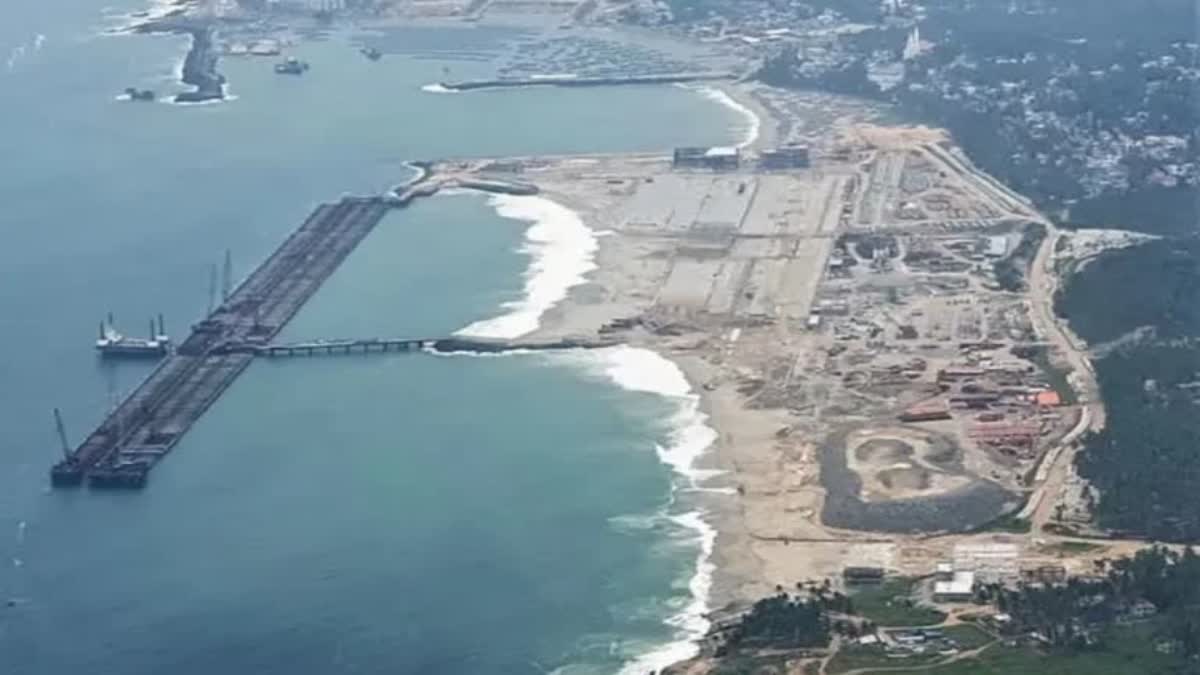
[958,589]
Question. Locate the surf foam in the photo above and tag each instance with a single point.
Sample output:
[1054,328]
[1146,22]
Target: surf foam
[437,88]
[642,370]
[753,123]
[562,250]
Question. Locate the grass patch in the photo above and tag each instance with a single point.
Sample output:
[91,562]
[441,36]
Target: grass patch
[967,636]
[774,664]
[1067,531]
[1124,651]
[1072,547]
[1056,377]
[890,604]
[857,657]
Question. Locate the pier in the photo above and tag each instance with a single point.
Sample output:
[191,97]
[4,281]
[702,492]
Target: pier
[567,81]
[444,345]
[150,421]
[144,427]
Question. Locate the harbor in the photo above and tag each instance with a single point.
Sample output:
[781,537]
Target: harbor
[123,449]
[147,424]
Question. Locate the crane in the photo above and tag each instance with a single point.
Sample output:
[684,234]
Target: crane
[62,434]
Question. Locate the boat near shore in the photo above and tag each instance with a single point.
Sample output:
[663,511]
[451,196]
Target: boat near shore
[291,66]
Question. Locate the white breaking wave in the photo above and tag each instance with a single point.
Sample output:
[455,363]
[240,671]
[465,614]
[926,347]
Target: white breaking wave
[38,41]
[642,370]
[563,249]
[753,123]
[170,100]
[437,88]
[15,56]
[123,23]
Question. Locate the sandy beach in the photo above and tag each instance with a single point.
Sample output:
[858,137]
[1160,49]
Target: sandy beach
[761,492]
[722,271]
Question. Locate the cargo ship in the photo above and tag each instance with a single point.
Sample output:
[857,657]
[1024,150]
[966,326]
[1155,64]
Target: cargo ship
[113,344]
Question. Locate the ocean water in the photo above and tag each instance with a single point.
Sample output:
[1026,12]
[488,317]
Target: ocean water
[399,514]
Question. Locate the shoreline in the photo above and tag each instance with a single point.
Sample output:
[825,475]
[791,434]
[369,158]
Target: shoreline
[727,572]
[691,433]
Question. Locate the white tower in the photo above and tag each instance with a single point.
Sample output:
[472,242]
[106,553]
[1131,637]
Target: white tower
[913,47]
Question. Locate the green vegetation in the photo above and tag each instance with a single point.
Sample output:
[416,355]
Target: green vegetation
[1121,651]
[1156,210]
[1055,376]
[1073,547]
[783,622]
[981,44]
[1144,462]
[857,657]
[753,664]
[967,636]
[1156,284]
[1155,583]
[891,604]
[1142,616]
[850,78]
[854,657]
[1012,269]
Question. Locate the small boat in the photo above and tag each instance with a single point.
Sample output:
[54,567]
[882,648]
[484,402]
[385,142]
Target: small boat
[371,53]
[136,94]
[291,66]
[113,344]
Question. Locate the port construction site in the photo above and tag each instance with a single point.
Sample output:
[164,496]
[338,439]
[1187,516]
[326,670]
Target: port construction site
[857,307]
[146,425]
[802,274]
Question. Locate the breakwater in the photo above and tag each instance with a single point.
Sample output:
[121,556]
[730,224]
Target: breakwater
[500,83]
[199,67]
[144,427]
[425,186]
[443,345]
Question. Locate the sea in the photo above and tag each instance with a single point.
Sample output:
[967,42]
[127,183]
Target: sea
[387,514]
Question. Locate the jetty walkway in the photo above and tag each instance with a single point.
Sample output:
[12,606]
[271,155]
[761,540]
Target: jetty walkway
[570,81]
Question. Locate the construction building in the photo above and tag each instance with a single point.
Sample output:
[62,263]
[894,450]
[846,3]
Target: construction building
[716,158]
[926,411]
[785,157]
[863,575]
[958,588]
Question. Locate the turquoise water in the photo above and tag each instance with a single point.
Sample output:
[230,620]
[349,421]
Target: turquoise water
[401,514]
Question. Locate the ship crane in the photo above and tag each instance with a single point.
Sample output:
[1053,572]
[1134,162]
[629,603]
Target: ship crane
[62,434]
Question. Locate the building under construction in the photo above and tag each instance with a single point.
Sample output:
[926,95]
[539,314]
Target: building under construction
[784,158]
[715,158]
